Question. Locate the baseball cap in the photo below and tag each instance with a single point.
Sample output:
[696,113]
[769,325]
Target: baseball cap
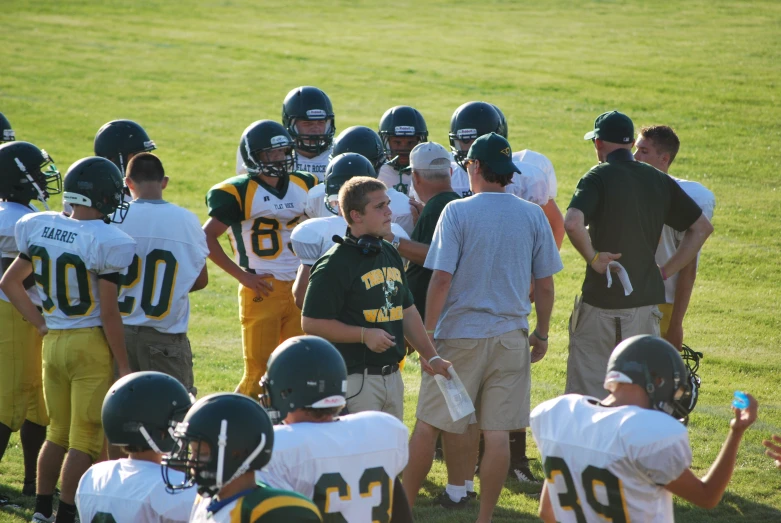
[494,151]
[613,127]
[426,153]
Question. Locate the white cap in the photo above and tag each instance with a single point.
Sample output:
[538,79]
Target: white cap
[424,154]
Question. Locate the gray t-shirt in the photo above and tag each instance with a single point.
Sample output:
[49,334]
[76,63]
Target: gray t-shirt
[492,244]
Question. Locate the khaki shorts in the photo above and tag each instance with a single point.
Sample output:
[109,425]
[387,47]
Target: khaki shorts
[382,393]
[496,374]
[150,349]
[593,334]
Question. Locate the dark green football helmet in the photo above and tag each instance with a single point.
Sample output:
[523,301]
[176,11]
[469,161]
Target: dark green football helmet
[470,121]
[361,140]
[502,130]
[340,169]
[655,365]
[96,182]
[309,103]
[142,409]
[405,122]
[304,372]
[118,140]
[261,140]
[222,436]
[6,131]
[27,173]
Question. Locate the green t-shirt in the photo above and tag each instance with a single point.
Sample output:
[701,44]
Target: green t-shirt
[367,291]
[418,276]
[625,204]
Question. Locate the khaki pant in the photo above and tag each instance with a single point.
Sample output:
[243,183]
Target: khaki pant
[496,374]
[593,334]
[371,392]
[150,349]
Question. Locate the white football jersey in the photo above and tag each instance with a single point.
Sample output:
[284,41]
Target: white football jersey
[346,466]
[260,219]
[315,202]
[542,162]
[170,254]
[671,238]
[314,237]
[67,257]
[530,185]
[315,166]
[609,462]
[390,177]
[131,491]
[10,213]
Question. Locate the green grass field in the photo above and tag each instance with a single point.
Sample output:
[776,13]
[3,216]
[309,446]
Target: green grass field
[195,74]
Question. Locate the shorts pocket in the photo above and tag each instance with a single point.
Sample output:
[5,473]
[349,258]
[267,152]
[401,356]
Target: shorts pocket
[512,342]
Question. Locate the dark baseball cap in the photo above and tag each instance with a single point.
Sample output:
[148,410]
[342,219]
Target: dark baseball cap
[614,127]
[494,151]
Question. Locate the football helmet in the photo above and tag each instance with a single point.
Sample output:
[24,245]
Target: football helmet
[361,140]
[689,400]
[267,136]
[309,103]
[27,173]
[222,436]
[401,121]
[340,169]
[6,131]
[655,365]
[304,372]
[96,182]
[119,139]
[142,409]
[470,121]
[502,130]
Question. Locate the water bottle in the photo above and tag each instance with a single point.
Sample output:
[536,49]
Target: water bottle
[457,398]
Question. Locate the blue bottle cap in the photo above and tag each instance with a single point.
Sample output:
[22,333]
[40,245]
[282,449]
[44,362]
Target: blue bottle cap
[740,400]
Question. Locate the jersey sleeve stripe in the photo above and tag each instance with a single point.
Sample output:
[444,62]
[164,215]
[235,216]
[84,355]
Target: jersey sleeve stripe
[282,502]
[230,189]
[249,197]
[303,181]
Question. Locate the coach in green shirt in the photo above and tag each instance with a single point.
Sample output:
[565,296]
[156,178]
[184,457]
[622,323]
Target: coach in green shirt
[358,299]
[625,204]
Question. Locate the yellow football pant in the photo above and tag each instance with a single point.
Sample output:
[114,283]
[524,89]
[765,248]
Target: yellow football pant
[21,383]
[265,323]
[78,370]
[667,311]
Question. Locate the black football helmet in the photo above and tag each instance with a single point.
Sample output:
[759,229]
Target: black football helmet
[309,103]
[502,130]
[119,139]
[27,173]
[401,121]
[6,131]
[361,140]
[96,182]
[654,364]
[340,169]
[142,409]
[470,121]
[265,136]
[222,436]
[304,372]
[689,399]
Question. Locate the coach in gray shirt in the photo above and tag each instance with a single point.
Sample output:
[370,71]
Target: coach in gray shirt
[485,252]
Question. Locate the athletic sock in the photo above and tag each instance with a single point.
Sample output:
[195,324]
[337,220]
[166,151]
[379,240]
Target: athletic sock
[32,436]
[66,513]
[43,504]
[456,493]
[469,486]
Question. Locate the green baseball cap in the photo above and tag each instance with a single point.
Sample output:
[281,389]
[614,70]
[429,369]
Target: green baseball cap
[614,127]
[494,151]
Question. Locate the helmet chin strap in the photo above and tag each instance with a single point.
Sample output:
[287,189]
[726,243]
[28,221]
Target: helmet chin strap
[149,440]
[41,195]
[222,443]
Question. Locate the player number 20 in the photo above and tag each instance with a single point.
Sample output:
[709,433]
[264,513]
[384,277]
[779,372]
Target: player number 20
[334,483]
[614,510]
[159,269]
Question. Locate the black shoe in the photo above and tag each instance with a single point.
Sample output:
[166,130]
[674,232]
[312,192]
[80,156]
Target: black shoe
[471,494]
[521,472]
[444,501]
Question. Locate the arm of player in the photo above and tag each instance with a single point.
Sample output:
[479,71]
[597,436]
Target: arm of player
[202,280]
[683,293]
[692,242]
[546,509]
[214,229]
[544,295]
[707,492]
[575,226]
[556,221]
[108,293]
[335,331]
[415,334]
[414,251]
[12,285]
[301,284]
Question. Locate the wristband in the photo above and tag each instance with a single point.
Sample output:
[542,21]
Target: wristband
[430,331]
[363,329]
[539,336]
[596,255]
[437,357]
[664,273]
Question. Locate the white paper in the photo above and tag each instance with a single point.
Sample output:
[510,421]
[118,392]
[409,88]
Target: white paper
[457,398]
[622,275]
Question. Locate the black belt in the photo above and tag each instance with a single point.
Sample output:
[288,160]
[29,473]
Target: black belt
[382,371]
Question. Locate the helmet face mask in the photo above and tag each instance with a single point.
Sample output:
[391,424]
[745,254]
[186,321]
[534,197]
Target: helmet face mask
[267,149]
[309,104]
